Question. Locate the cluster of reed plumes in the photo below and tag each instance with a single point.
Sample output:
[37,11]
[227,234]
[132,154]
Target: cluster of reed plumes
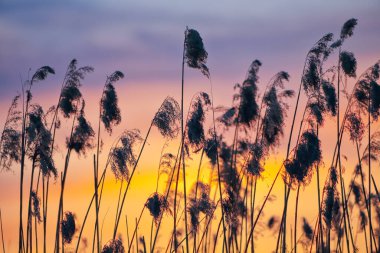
[220,213]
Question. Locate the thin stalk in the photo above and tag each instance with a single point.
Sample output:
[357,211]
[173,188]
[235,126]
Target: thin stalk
[376,190]
[25,108]
[369,169]
[365,237]
[2,232]
[96,160]
[45,202]
[137,241]
[295,220]
[245,199]
[36,234]
[253,199]
[143,243]
[129,181]
[261,209]
[282,222]
[126,223]
[60,207]
[363,190]
[118,199]
[101,181]
[344,205]
[205,231]
[182,128]
[289,143]
[218,166]
[196,194]
[96,171]
[319,208]
[167,195]
[318,183]
[175,202]
[135,231]
[216,235]
[63,244]
[29,221]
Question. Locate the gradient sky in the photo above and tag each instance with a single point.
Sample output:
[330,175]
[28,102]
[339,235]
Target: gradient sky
[144,39]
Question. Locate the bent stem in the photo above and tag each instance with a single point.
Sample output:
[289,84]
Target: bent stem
[261,210]
[129,182]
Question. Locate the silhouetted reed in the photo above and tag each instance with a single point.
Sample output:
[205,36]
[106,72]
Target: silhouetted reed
[10,141]
[166,118]
[167,125]
[68,227]
[38,141]
[195,55]
[36,206]
[82,137]
[68,104]
[194,51]
[39,75]
[80,140]
[157,205]
[109,109]
[70,93]
[114,246]
[307,154]
[199,204]
[124,157]
[195,136]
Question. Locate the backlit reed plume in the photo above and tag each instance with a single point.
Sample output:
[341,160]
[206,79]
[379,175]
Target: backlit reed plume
[368,89]
[114,246]
[307,230]
[275,110]
[36,206]
[195,136]
[355,126]
[39,141]
[157,205]
[232,203]
[123,157]
[210,147]
[70,93]
[199,202]
[316,56]
[82,136]
[167,117]
[10,140]
[331,212]
[307,154]
[270,130]
[245,111]
[195,53]
[68,227]
[110,111]
[255,164]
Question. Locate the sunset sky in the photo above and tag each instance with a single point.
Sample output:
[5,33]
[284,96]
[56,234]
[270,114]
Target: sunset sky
[144,39]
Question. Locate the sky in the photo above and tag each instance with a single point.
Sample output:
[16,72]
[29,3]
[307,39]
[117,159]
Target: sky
[144,40]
